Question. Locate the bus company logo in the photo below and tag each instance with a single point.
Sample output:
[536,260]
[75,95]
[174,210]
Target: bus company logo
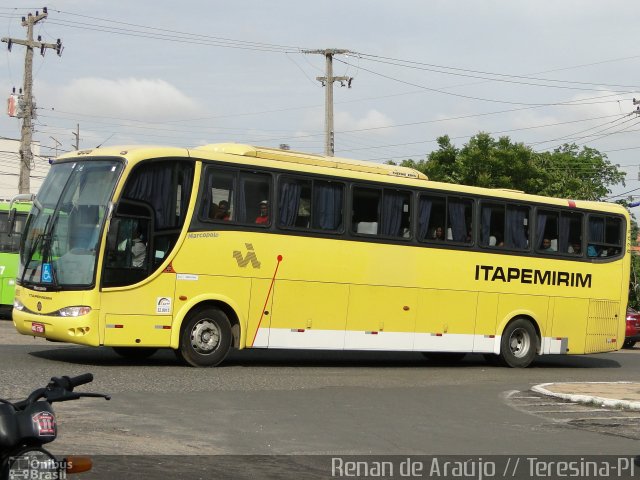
[163,305]
[489,273]
[250,257]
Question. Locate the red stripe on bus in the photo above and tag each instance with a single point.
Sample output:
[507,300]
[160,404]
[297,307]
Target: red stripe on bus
[266,300]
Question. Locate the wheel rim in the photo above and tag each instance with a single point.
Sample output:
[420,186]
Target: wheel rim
[519,342]
[205,337]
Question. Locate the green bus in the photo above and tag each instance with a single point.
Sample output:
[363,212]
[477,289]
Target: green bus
[9,248]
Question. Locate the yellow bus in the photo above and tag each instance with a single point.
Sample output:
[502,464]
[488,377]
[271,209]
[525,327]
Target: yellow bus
[234,246]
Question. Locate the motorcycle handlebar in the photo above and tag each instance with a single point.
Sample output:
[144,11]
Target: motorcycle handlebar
[60,389]
[69,383]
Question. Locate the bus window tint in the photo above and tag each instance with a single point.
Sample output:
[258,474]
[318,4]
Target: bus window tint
[217,201]
[570,240]
[294,203]
[310,204]
[613,236]
[445,219]
[460,219]
[10,241]
[504,226]
[431,218]
[254,202]
[605,236]
[395,213]
[385,212]
[517,227]
[327,205]
[547,231]
[366,210]
[492,226]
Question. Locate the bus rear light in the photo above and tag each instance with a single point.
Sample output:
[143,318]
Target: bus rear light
[74,311]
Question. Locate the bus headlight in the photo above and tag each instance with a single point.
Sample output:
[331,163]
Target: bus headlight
[74,311]
[17,304]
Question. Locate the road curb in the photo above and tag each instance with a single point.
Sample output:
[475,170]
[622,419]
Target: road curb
[591,399]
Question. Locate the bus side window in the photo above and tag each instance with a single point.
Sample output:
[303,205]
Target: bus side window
[254,195]
[605,234]
[396,213]
[218,195]
[381,212]
[570,239]
[431,218]
[327,205]
[294,203]
[366,210]
[547,231]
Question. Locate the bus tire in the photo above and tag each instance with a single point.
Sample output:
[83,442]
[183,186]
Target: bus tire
[205,338]
[135,353]
[518,344]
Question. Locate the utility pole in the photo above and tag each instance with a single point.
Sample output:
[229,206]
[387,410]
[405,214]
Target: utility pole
[58,144]
[77,135]
[327,83]
[26,155]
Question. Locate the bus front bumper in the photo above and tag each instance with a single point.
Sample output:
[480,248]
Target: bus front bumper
[82,330]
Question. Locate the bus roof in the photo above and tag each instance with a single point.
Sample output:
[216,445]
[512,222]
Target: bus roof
[265,153]
[312,159]
[307,162]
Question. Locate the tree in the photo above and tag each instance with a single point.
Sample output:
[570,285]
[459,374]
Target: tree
[581,174]
[566,172]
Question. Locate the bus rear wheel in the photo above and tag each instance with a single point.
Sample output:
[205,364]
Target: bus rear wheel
[518,344]
[205,339]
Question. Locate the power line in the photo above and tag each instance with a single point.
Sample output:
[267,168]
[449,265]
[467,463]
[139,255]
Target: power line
[533,127]
[502,77]
[460,95]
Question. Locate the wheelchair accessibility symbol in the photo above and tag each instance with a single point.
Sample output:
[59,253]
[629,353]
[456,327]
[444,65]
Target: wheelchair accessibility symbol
[46,276]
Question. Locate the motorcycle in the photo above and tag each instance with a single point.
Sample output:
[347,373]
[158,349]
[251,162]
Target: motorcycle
[26,425]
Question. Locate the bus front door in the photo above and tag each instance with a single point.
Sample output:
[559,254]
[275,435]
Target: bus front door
[137,302]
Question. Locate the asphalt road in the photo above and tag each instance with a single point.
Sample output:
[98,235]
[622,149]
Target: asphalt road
[301,405]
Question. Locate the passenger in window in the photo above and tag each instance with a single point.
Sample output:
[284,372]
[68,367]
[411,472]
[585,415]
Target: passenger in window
[263,216]
[138,249]
[222,212]
[575,248]
[438,235]
[592,251]
[546,245]
[499,240]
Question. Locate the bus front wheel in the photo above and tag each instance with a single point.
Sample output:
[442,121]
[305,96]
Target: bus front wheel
[205,339]
[518,344]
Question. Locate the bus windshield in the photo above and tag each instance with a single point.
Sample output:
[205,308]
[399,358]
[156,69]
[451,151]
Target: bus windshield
[60,241]
[10,241]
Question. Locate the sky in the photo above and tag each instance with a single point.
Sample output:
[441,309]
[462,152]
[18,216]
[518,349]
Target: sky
[196,72]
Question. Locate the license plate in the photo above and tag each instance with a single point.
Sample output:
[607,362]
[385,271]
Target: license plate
[37,328]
